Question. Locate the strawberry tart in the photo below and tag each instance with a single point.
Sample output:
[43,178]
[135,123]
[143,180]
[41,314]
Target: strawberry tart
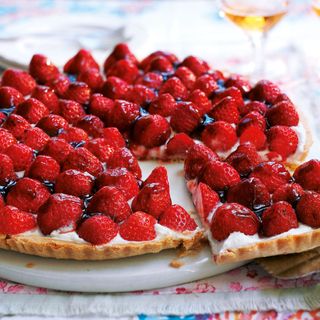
[72,144]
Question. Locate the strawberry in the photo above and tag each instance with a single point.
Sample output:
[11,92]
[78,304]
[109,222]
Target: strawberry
[100,106]
[175,87]
[140,94]
[78,92]
[160,64]
[6,169]
[18,79]
[71,111]
[151,131]
[282,97]
[244,158]
[32,110]
[251,193]
[179,145]
[219,175]
[92,78]
[151,80]
[233,217]
[145,63]
[59,85]
[200,100]
[232,92]
[278,218]
[177,219]
[204,199]
[47,96]
[196,65]
[238,81]
[83,160]
[226,110]
[113,137]
[98,230]
[158,175]
[290,192]
[308,209]
[42,69]
[265,91]
[2,203]
[283,140]
[254,135]
[82,61]
[57,149]
[14,221]
[197,158]
[163,105]
[28,195]
[16,125]
[308,175]
[111,202]
[185,118]
[250,106]
[53,124]
[207,84]
[3,118]
[123,115]
[10,97]
[121,178]
[217,75]
[6,140]
[139,227]
[253,118]
[271,174]
[187,77]
[125,70]
[74,182]
[21,156]
[100,148]
[219,136]
[283,113]
[60,212]
[92,125]
[115,88]
[44,168]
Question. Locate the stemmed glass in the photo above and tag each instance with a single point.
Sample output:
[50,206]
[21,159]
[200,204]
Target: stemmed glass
[256,18]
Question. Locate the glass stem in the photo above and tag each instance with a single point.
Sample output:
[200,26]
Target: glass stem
[258,41]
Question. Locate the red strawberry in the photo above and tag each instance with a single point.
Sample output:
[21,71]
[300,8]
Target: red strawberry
[271,174]
[175,87]
[42,69]
[60,212]
[219,175]
[16,125]
[82,61]
[207,84]
[233,217]
[219,136]
[83,160]
[177,219]
[74,182]
[283,140]
[226,110]
[92,125]
[196,65]
[238,81]
[140,94]
[98,230]
[151,80]
[283,113]
[53,124]
[278,218]
[78,92]
[60,85]
[168,55]
[204,199]
[197,158]
[100,106]
[232,92]
[18,79]
[72,111]
[254,135]
[265,91]
[111,202]
[244,159]
[308,209]
[308,175]
[257,106]
[179,145]
[163,105]
[185,117]
[21,156]
[187,77]
[100,148]
[113,137]
[47,96]
[74,135]
[14,221]
[3,118]
[160,64]
[6,169]
[92,78]
[57,149]
[115,88]
[158,175]
[139,227]
[10,97]
[251,193]
[253,118]
[125,70]
[282,97]
[6,140]
[151,131]
[44,168]
[2,204]
[290,192]
[200,100]
[32,110]
[121,178]
[28,195]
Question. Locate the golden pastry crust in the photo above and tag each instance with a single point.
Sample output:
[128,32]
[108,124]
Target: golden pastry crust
[59,249]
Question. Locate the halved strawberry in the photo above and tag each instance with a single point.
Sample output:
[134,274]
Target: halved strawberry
[226,110]
[44,168]
[6,169]
[179,145]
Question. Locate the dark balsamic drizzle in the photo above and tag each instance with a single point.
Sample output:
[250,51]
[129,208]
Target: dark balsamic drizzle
[77,144]
[4,190]
[50,185]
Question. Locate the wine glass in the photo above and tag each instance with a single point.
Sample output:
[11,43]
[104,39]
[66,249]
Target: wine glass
[256,18]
